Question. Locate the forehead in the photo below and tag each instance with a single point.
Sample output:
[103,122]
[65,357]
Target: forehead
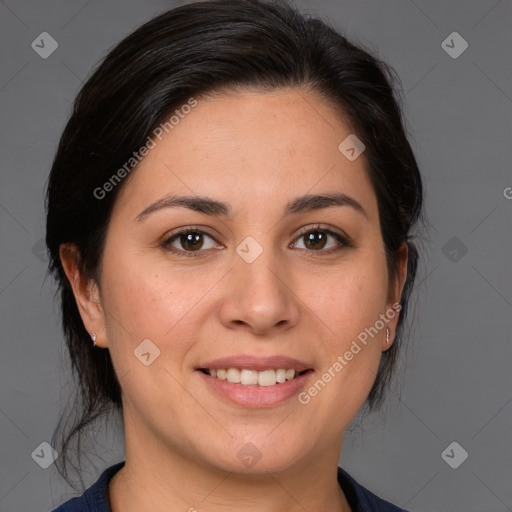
[252,150]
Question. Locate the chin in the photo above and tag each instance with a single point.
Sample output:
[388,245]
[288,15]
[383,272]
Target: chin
[256,455]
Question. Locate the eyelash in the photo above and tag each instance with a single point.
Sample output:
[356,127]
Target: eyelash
[344,242]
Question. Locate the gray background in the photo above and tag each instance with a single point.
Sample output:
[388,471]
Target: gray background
[456,383]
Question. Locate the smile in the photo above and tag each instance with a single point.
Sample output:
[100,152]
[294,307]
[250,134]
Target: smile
[255,388]
[247,377]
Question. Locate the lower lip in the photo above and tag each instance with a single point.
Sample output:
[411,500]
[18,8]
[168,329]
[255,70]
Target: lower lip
[256,396]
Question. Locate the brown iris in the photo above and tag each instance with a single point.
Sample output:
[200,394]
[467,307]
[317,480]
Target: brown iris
[315,240]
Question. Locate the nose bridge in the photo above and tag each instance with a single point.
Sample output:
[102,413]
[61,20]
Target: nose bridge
[259,296]
[256,267]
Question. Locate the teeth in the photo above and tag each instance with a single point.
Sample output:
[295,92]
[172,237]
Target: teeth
[267,378]
[290,374]
[233,375]
[248,377]
[253,377]
[280,376]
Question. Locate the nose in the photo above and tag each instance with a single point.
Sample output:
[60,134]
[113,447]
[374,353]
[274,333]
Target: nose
[259,297]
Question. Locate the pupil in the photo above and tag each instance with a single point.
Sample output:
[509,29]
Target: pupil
[315,237]
[192,240]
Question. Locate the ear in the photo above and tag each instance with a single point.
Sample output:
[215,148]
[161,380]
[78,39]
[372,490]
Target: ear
[395,294]
[86,294]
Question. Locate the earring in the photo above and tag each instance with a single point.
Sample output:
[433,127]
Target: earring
[388,341]
[93,339]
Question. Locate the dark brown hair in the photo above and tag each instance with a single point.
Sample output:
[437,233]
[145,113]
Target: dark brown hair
[188,51]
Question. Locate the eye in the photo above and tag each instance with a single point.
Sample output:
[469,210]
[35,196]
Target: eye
[316,240]
[190,240]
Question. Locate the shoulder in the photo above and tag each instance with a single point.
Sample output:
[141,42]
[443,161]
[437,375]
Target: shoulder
[361,499]
[95,498]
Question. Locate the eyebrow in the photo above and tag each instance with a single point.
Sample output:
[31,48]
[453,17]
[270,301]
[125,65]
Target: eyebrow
[208,206]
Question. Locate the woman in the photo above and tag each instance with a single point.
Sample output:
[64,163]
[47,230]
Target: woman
[228,219]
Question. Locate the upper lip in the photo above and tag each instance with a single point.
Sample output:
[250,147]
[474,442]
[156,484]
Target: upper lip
[256,363]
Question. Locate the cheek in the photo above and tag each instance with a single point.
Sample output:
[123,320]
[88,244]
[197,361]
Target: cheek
[145,303]
[146,299]
[352,298]
[349,304]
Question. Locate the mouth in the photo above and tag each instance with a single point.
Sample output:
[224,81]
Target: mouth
[248,377]
[255,382]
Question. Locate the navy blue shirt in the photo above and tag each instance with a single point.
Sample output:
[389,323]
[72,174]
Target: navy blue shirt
[95,498]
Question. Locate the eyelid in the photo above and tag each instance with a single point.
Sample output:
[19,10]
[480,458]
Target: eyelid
[323,227]
[191,228]
[302,231]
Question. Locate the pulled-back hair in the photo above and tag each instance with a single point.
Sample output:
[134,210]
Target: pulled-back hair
[189,51]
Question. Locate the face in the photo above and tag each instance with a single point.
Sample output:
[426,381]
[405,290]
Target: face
[268,281]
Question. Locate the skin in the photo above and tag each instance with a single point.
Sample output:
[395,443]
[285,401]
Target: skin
[255,151]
